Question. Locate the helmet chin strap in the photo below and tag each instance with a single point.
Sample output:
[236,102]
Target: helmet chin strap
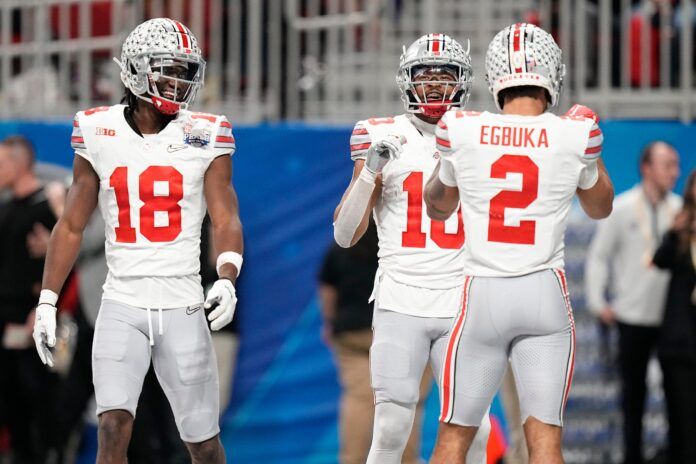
[163,105]
[435,110]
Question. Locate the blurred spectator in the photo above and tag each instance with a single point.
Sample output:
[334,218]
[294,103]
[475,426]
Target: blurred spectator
[345,283]
[676,346]
[645,20]
[26,386]
[624,245]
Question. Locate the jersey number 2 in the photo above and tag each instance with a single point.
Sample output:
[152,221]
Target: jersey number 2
[523,234]
[152,203]
[414,237]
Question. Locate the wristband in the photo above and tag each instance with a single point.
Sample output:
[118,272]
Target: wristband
[231,257]
[367,175]
[588,177]
[48,297]
[446,173]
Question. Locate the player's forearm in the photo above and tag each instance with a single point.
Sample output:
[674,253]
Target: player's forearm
[353,215]
[228,236]
[440,200]
[63,248]
[597,202]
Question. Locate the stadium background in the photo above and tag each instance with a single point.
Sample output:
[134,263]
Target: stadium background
[293,76]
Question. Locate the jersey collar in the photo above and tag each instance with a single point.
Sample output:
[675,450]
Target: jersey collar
[421,125]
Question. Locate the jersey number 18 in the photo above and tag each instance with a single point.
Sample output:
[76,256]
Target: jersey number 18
[152,203]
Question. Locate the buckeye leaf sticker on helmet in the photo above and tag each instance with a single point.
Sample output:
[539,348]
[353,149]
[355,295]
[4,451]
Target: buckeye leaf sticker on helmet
[524,55]
[162,64]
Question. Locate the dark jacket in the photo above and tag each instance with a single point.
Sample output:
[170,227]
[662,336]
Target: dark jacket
[678,331]
[20,274]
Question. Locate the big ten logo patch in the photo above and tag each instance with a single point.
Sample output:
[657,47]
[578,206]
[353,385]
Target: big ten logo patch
[106,131]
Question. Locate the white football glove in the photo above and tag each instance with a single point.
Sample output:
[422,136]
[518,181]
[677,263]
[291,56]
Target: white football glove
[381,151]
[45,332]
[222,294]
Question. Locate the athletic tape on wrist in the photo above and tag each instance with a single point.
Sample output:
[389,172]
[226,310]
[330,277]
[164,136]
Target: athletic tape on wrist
[589,177]
[446,173]
[48,297]
[231,257]
[368,175]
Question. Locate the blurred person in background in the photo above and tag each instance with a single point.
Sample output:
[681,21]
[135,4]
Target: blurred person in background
[345,283]
[676,345]
[419,282]
[26,388]
[622,248]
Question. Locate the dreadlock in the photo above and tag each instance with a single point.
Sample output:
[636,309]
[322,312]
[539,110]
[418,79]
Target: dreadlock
[130,100]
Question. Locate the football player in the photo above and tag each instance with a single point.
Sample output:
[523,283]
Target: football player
[153,167]
[515,175]
[418,286]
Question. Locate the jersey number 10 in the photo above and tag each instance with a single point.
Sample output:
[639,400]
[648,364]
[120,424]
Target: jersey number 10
[152,203]
[414,237]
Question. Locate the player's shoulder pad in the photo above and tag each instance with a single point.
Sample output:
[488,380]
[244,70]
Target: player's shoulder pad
[209,131]
[459,114]
[366,131]
[360,140]
[442,138]
[93,122]
[595,140]
[586,116]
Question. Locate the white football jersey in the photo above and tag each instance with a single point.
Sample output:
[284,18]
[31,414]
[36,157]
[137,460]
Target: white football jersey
[151,188]
[516,177]
[413,249]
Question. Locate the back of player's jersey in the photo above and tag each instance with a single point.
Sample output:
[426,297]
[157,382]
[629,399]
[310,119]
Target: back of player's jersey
[516,177]
[413,250]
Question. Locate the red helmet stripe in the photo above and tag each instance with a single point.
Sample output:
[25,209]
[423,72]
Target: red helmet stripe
[436,43]
[183,34]
[516,45]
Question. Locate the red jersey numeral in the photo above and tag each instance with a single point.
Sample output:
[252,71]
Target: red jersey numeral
[98,109]
[414,237]
[152,203]
[524,233]
[378,121]
[119,182]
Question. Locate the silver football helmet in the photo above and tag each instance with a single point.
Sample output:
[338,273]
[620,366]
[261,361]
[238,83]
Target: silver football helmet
[440,53]
[524,54]
[160,51]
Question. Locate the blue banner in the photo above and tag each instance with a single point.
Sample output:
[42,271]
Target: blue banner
[289,179]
